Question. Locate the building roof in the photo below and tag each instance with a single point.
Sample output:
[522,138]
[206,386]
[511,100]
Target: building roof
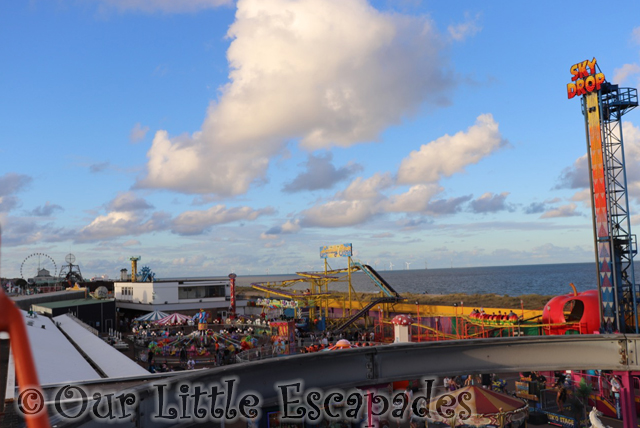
[73,302]
[111,361]
[55,358]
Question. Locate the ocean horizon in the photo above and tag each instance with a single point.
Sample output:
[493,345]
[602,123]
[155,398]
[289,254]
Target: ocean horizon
[545,279]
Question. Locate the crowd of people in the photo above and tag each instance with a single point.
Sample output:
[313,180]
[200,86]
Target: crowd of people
[486,380]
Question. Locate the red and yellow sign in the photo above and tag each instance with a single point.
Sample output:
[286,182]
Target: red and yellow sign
[585,77]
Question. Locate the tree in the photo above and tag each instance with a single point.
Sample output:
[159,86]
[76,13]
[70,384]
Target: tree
[582,392]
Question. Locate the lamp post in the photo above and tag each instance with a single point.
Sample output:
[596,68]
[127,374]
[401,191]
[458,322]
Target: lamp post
[418,319]
[455,305]
[464,322]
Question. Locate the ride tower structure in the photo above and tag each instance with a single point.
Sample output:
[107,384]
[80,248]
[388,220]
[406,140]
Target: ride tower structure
[603,105]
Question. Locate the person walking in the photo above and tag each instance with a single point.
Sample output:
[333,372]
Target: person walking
[183,356]
[561,397]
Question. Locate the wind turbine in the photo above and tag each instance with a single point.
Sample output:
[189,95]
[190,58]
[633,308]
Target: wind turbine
[390,265]
[407,264]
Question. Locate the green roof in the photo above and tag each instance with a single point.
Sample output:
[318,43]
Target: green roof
[74,302]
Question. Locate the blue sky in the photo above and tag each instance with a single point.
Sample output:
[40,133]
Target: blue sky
[211,136]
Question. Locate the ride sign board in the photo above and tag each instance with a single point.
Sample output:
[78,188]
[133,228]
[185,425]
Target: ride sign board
[585,79]
[342,250]
[274,303]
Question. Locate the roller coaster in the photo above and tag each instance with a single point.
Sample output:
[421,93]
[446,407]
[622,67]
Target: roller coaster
[316,297]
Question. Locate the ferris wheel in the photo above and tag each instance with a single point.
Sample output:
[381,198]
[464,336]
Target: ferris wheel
[35,263]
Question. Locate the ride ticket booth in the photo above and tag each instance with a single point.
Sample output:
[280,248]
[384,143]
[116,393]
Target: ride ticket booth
[284,341]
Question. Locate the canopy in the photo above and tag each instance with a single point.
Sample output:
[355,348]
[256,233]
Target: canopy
[341,344]
[152,316]
[487,407]
[173,319]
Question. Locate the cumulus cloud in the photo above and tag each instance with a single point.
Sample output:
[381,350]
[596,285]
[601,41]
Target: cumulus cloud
[447,206]
[12,182]
[575,176]
[128,201]
[321,174]
[289,227]
[138,133]
[300,74]
[122,223]
[490,203]
[568,210]
[338,214]
[162,6]
[45,210]
[535,208]
[620,75]
[449,155]
[8,203]
[197,222]
[369,188]
[128,215]
[416,199]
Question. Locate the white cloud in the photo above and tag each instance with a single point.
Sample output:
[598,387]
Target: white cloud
[620,75]
[490,203]
[13,182]
[562,211]
[321,174]
[163,6]
[300,74]
[196,222]
[575,176]
[46,210]
[128,201]
[416,199]
[369,188]
[338,214]
[449,155]
[289,227]
[112,225]
[128,215]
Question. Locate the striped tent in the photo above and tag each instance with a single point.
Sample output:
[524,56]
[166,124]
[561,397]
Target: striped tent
[152,316]
[174,319]
[476,406]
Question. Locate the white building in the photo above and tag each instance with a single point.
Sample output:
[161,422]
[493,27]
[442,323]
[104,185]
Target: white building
[212,294]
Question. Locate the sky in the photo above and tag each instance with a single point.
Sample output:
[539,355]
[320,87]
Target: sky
[218,136]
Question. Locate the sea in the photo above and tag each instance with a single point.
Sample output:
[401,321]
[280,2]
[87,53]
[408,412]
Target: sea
[547,279]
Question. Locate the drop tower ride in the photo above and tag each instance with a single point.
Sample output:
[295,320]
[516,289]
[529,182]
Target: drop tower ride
[603,105]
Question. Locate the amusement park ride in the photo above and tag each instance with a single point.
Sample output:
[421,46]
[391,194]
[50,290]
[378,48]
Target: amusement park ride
[603,105]
[315,299]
